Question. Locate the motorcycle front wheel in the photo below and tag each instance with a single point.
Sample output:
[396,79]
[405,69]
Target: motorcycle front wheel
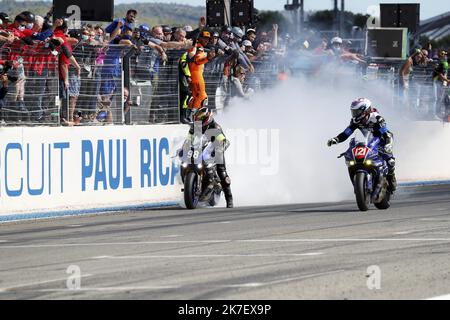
[361,192]
[190,190]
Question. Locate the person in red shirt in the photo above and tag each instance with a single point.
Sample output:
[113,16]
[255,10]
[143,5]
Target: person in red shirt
[65,59]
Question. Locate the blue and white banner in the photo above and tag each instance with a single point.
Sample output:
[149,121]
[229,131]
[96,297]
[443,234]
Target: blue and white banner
[87,167]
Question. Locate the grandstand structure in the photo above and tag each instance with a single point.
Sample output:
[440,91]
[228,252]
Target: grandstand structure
[435,28]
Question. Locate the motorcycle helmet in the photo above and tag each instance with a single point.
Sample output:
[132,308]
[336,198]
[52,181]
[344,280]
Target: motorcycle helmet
[336,40]
[144,28]
[4,17]
[336,43]
[204,116]
[237,33]
[360,110]
[27,16]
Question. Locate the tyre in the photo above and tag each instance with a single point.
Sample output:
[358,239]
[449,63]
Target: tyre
[385,203]
[215,198]
[190,190]
[362,195]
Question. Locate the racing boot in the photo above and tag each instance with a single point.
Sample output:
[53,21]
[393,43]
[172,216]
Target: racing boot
[392,182]
[229,199]
[225,181]
[185,116]
[391,175]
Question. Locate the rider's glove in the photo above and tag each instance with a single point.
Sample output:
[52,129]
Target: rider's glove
[332,142]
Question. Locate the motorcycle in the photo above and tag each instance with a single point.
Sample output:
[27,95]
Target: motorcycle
[368,172]
[194,177]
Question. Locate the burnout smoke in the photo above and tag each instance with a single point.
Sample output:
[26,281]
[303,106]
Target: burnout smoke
[306,112]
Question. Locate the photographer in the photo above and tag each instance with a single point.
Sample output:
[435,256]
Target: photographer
[5,79]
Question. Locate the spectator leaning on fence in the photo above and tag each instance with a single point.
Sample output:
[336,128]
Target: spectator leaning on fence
[65,59]
[157,37]
[440,76]
[237,84]
[418,58]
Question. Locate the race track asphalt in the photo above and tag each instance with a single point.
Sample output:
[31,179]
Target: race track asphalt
[297,251]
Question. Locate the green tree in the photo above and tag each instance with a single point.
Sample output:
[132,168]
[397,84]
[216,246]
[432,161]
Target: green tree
[268,18]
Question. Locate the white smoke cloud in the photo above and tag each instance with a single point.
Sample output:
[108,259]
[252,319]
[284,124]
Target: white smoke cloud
[307,112]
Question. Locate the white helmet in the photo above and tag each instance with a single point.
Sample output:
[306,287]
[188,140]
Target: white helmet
[336,40]
[360,109]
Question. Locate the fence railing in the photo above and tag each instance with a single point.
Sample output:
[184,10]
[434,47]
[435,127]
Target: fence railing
[33,87]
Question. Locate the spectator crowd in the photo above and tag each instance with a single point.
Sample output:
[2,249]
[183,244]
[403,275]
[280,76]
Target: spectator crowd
[43,57]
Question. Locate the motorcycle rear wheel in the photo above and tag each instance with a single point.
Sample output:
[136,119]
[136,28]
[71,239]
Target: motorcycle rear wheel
[385,203]
[215,198]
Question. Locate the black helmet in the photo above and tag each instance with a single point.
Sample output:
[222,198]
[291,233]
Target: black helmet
[167,29]
[27,16]
[237,32]
[4,17]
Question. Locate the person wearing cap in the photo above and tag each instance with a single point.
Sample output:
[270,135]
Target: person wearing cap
[4,18]
[418,58]
[117,26]
[167,31]
[198,58]
[247,47]
[251,35]
[215,39]
[237,81]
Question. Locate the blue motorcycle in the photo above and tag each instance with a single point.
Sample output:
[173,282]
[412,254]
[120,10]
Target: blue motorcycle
[368,171]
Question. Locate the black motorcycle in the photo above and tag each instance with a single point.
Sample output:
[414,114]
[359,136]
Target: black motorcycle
[194,177]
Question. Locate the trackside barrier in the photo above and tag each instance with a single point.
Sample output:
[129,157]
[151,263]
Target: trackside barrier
[87,167]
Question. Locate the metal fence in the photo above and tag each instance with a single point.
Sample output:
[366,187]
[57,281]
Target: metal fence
[33,87]
[125,85]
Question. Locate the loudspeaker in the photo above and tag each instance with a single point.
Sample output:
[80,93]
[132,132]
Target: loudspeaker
[389,15]
[87,10]
[400,16]
[387,43]
[242,12]
[409,16]
[215,13]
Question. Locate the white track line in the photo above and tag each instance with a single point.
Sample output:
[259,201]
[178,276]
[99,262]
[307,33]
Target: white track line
[197,286]
[187,256]
[142,288]
[135,243]
[37,283]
